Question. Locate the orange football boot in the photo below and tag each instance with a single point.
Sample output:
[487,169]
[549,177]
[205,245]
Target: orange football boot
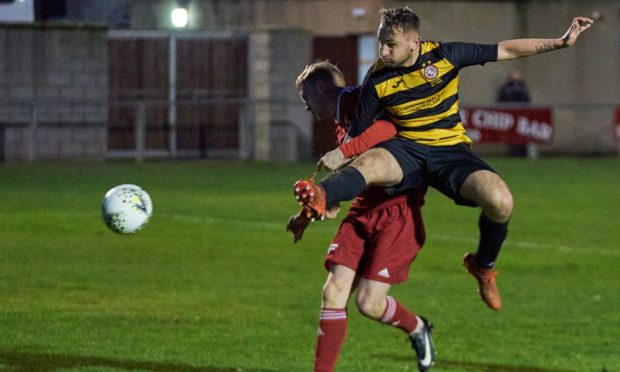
[486,281]
[312,196]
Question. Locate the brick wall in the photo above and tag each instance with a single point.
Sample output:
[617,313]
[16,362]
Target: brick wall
[53,91]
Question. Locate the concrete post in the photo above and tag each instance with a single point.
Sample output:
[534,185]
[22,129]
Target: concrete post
[281,131]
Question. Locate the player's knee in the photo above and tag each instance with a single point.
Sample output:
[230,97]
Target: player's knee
[370,307]
[500,204]
[507,204]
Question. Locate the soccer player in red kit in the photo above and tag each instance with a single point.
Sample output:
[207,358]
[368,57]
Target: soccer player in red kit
[377,240]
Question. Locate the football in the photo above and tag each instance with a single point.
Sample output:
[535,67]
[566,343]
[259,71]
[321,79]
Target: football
[126,208]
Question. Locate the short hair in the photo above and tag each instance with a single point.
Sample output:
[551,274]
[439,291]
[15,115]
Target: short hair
[401,19]
[321,71]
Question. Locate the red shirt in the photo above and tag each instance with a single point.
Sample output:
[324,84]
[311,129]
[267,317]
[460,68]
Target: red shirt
[373,197]
[379,131]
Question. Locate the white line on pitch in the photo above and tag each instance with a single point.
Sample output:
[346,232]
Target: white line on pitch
[448,238]
[529,245]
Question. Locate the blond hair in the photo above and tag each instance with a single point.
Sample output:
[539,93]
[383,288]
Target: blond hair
[321,71]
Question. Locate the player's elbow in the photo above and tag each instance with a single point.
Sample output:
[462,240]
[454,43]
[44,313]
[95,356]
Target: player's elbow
[504,53]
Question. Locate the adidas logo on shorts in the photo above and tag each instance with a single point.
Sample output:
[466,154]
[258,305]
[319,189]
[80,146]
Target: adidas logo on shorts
[384,273]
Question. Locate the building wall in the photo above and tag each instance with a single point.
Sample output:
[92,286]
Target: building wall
[53,78]
[280,128]
[53,91]
[581,83]
[114,13]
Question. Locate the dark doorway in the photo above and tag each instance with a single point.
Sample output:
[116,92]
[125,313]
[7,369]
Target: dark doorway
[341,51]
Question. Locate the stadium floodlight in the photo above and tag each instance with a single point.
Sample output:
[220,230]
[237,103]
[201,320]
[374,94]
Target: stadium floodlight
[179,15]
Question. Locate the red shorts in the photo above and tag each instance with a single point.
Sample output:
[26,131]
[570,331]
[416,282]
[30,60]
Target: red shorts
[381,244]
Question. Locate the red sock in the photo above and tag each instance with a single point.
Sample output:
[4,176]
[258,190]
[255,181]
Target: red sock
[331,333]
[397,315]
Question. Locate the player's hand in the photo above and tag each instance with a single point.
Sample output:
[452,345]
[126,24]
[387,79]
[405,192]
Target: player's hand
[332,212]
[332,161]
[297,225]
[579,25]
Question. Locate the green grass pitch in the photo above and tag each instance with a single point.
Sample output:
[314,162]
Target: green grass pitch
[214,283]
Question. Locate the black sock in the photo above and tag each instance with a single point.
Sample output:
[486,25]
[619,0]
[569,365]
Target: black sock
[343,185]
[492,235]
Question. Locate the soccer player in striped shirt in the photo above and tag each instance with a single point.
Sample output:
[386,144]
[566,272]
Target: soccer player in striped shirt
[415,85]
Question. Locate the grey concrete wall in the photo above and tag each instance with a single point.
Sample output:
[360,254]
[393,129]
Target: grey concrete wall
[281,129]
[578,81]
[581,83]
[61,70]
[53,91]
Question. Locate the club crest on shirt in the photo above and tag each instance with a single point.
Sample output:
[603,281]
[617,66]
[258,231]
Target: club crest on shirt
[430,72]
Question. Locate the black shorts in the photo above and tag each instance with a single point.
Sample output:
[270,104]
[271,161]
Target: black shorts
[442,167]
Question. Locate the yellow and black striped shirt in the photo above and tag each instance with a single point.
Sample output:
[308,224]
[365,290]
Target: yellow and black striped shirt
[421,100]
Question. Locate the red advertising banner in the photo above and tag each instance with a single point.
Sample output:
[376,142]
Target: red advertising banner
[617,124]
[508,125]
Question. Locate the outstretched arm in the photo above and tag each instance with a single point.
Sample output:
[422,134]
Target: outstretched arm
[379,131]
[518,48]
